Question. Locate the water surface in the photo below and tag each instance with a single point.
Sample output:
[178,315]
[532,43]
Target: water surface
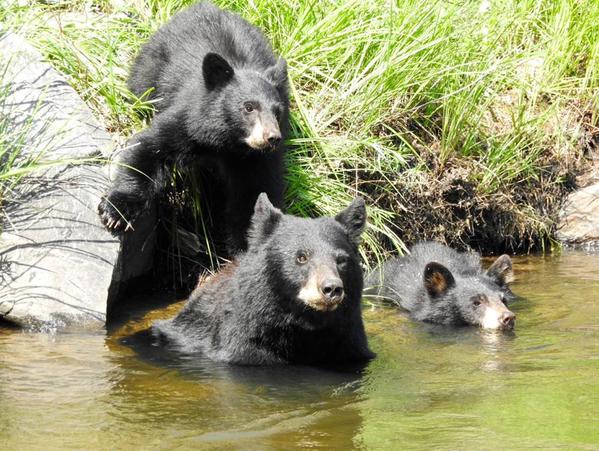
[537,387]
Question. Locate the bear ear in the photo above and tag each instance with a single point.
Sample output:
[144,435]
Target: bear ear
[437,279]
[501,271]
[265,219]
[277,74]
[353,218]
[217,72]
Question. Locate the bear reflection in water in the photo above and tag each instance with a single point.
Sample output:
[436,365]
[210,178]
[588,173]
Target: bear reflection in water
[220,404]
[293,297]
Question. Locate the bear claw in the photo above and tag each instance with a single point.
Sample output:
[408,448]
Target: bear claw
[113,217]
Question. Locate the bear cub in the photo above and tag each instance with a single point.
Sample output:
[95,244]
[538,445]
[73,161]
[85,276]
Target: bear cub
[439,285]
[293,297]
[221,99]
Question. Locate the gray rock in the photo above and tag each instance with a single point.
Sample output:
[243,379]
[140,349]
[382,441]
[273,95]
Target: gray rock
[579,217]
[57,260]
[45,109]
[58,265]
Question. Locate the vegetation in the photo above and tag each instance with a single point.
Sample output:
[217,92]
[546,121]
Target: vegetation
[13,166]
[19,125]
[461,121]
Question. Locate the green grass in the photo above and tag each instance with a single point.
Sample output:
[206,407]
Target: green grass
[22,153]
[461,121]
[13,167]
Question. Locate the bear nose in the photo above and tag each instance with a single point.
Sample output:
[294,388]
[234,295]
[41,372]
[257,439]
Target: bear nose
[332,290]
[272,137]
[507,319]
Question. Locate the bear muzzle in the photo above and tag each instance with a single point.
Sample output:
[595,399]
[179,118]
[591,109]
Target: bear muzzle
[265,135]
[332,290]
[323,291]
[498,317]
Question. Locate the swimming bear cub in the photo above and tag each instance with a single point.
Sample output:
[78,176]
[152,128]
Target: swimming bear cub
[439,285]
[293,297]
[221,99]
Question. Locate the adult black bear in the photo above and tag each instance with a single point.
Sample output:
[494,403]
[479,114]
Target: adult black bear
[293,297]
[221,97]
[440,285]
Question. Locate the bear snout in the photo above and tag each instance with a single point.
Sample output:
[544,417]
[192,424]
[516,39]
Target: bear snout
[507,320]
[323,290]
[332,290]
[498,317]
[265,134]
[272,137]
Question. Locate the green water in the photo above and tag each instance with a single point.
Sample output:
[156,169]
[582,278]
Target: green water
[428,387]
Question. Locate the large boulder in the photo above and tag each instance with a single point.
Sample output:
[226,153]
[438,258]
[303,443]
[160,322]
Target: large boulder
[579,217]
[58,265]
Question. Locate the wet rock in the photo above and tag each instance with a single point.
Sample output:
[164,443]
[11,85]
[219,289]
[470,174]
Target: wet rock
[58,265]
[579,218]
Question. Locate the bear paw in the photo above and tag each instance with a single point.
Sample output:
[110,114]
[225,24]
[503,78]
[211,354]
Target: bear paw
[118,211]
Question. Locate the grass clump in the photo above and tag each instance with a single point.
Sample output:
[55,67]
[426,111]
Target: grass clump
[13,165]
[459,121]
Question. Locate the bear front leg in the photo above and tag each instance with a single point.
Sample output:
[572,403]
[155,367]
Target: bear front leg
[248,177]
[132,188]
[136,181]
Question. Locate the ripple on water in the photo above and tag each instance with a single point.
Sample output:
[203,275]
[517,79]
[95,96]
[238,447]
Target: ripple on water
[429,387]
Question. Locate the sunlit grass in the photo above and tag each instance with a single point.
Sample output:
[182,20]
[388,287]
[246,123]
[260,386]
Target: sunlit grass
[13,166]
[388,98]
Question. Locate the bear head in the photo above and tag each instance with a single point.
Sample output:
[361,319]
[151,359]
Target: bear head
[246,106]
[314,265]
[475,299]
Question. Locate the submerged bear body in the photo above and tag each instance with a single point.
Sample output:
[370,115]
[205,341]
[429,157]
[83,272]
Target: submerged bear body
[439,285]
[293,297]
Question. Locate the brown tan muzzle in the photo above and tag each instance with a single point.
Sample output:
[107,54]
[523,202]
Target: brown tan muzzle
[323,290]
[265,134]
[498,316]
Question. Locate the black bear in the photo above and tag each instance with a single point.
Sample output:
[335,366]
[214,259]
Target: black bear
[440,285]
[221,97]
[293,297]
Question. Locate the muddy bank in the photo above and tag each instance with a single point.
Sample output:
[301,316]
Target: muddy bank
[461,202]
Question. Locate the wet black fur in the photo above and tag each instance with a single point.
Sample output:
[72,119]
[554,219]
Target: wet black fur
[403,281]
[200,68]
[250,314]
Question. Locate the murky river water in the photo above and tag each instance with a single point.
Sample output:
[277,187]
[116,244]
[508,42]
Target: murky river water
[428,388]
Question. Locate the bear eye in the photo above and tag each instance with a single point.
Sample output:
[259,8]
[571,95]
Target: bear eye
[503,299]
[476,302]
[342,260]
[301,257]
[248,107]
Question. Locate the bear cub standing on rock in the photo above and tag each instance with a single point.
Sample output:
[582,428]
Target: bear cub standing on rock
[293,297]
[440,285]
[221,97]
